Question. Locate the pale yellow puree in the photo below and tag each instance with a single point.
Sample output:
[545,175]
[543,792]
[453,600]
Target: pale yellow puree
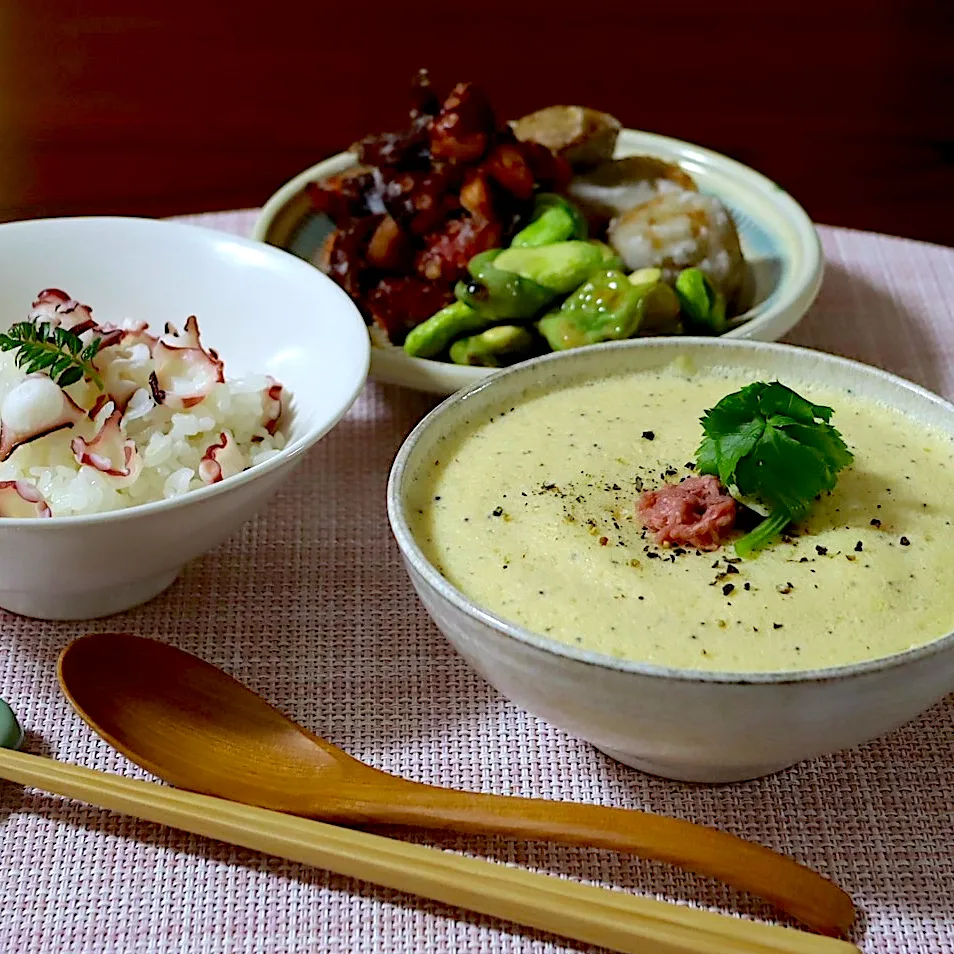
[531,513]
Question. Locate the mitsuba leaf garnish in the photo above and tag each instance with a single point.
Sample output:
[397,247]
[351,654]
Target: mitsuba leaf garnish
[58,352]
[768,444]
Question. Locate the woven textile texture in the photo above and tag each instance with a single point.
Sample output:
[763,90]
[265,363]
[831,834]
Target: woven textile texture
[310,606]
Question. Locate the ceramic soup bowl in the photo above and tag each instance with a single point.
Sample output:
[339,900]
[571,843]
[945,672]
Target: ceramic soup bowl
[694,725]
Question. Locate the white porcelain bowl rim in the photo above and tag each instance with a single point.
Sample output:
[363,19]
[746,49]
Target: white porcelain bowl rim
[291,451]
[413,553]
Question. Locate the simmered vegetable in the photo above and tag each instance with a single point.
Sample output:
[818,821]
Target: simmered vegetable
[501,295]
[509,285]
[699,301]
[605,308]
[554,220]
[679,230]
[582,136]
[433,336]
[661,312]
[615,187]
[489,347]
[609,258]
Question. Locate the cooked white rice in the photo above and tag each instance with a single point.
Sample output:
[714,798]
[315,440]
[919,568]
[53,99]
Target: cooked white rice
[170,442]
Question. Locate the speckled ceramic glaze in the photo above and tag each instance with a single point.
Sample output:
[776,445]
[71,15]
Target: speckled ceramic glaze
[779,242]
[682,724]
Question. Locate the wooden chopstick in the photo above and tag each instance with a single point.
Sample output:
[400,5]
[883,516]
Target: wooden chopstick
[610,919]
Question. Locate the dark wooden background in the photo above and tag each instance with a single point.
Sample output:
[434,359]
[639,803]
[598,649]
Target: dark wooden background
[122,106]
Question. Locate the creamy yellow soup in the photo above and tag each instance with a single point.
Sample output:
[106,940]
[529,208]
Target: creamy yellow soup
[531,513]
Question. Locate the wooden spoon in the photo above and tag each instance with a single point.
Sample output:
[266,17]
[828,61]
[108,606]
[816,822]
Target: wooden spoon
[197,728]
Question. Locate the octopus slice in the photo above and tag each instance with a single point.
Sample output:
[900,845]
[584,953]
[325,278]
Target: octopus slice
[221,460]
[110,451]
[120,376]
[98,404]
[37,406]
[19,499]
[126,334]
[272,405]
[56,307]
[185,372]
[47,300]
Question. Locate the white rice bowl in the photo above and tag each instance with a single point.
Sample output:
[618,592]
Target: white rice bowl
[171,443]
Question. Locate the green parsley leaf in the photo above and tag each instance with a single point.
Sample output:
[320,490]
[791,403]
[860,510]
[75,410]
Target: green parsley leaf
[767,443]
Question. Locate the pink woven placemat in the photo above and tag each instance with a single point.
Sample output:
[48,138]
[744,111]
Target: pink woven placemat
[310,606]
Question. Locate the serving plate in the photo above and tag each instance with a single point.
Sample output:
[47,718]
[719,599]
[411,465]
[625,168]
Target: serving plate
[779,242]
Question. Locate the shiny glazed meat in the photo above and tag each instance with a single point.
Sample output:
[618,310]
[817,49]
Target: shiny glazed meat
[424,200]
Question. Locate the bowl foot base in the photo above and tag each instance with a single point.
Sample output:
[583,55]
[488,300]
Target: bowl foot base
[87,604]
[689,772]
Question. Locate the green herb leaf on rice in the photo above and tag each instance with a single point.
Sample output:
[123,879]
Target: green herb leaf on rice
[56,351]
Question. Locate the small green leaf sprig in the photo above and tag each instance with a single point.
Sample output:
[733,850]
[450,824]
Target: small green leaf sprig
[772,445]
[56,351]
